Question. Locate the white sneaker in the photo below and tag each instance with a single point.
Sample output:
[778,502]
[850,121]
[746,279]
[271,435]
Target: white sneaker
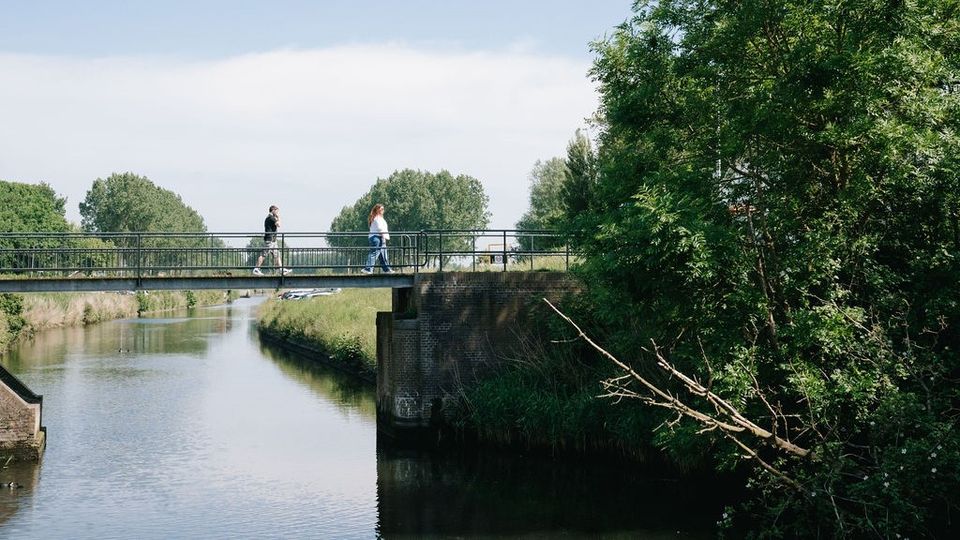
[286,271]
[366,271]
[257,272]
[389,271]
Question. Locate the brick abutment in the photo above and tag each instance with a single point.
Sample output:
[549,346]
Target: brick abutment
[448,331]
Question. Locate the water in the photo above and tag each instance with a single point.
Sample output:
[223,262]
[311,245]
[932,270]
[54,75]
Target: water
[189,427]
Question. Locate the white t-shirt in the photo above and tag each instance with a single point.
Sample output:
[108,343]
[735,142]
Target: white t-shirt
[379,226]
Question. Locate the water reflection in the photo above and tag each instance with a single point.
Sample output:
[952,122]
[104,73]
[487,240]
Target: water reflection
[189,427]
[161,335]
[504,495]
[25,476]
[347,392]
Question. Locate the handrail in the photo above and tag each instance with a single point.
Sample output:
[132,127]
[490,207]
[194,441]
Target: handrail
[197,253]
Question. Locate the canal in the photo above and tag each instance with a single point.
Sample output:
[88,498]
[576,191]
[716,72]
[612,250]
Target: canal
[188,426]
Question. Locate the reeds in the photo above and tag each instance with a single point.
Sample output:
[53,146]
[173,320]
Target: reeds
[54,310]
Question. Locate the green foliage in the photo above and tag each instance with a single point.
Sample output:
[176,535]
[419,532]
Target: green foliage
[150,301]
[576,192]
[31,208]
[11,306]
[776,206]
[546,204]
[143,302]
[417,200]
[89,316]
[130,203]
[126,202]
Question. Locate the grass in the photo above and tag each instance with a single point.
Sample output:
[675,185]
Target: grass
[344,325]
[54,310]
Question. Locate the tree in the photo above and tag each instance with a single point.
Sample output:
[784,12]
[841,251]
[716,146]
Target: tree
[774,235]
[127,202]
[30,208]
[130,203]
[546,205]
[577,189]
[546,211]
[416,201]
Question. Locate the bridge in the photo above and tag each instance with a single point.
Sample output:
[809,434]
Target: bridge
[132,261]
[461,300]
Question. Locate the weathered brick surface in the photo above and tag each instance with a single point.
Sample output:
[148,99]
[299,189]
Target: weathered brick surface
[20,433]
[466,324]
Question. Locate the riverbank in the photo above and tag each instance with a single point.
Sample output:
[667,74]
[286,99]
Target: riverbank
[546,403]
[25,315]
[340,329]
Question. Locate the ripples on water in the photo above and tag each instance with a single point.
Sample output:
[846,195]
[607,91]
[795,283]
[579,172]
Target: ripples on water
[190,428]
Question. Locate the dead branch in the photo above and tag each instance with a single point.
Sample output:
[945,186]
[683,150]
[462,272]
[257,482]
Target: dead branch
[728,418]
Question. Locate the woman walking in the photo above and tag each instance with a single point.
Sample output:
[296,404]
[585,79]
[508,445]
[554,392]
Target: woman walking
[378,237]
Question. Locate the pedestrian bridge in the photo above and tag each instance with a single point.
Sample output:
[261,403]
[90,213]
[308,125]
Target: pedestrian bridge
[457,308]
[131,261]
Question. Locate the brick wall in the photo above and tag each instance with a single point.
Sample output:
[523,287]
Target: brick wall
[20,433]
[450,330]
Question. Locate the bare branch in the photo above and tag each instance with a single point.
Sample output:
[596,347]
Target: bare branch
[734,423]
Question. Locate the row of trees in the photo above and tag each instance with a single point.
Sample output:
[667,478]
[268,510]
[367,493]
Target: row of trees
[126,202]
[771,241]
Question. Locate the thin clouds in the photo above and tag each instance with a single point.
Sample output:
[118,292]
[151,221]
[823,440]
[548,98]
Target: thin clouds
[309,130]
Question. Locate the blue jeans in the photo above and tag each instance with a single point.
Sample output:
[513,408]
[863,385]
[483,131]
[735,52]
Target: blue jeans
[377,248]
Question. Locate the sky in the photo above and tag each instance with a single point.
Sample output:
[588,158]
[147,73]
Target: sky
[237,105]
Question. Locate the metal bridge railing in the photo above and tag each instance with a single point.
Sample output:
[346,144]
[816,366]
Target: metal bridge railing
[136,254]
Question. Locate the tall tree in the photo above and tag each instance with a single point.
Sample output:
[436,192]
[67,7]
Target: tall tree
[36,208]
[546,203]
[130,203]
[546,212]
[31,208]
[126,202]
[577,189]
[776,218]
[415,201]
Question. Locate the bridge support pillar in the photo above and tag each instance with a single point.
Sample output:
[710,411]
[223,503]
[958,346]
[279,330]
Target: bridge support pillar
[449,330]
[21,435]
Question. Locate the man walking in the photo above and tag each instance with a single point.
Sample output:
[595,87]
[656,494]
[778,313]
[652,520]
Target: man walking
[270,226]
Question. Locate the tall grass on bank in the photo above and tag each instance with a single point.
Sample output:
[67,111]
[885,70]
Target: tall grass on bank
[343,325]
[41,311]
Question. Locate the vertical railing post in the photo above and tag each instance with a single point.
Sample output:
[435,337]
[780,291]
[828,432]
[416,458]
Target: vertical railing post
[441,251]
[416,254]
[473,252]
[504,250]
[532,250]
[139,260]
[283,258]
